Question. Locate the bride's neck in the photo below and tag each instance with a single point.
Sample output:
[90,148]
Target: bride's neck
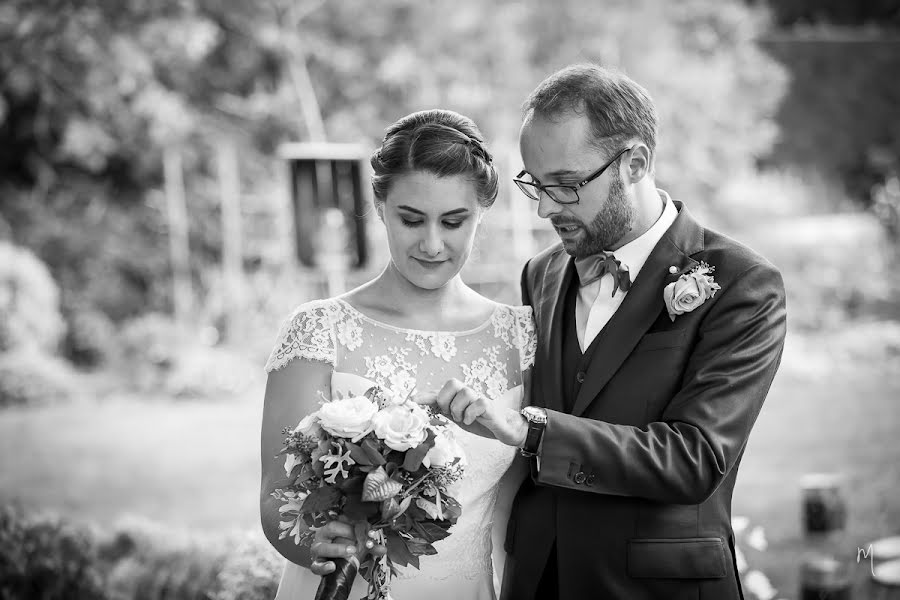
[404,297]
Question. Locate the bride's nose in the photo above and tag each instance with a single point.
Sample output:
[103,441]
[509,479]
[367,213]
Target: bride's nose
[431,242]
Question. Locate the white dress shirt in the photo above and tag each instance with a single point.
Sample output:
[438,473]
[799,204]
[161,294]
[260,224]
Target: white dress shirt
[596,303]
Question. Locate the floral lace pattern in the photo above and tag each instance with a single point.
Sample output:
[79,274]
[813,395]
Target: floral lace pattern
[490,359]
[487,374]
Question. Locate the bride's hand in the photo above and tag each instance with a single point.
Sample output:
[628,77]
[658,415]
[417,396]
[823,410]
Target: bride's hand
[336,539]
[476,414]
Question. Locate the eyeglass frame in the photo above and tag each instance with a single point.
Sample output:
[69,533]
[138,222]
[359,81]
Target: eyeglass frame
[543,188]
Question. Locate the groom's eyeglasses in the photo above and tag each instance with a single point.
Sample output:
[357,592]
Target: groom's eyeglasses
[561,194]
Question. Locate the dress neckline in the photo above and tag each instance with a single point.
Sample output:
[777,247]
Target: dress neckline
[421,332]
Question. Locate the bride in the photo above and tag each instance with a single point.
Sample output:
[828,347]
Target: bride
[414,327]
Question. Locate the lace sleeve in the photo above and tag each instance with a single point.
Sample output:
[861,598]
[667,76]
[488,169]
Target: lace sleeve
[308,333]
[527,338]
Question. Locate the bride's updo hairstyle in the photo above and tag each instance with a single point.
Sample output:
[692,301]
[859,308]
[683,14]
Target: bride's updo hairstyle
[441,142]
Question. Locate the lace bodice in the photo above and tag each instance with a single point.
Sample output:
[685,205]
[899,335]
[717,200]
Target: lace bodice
[489,358]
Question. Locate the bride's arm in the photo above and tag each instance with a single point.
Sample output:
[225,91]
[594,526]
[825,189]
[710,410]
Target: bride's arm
[291,394]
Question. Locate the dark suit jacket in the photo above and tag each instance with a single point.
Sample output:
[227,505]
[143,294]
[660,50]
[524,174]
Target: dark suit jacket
[635,485]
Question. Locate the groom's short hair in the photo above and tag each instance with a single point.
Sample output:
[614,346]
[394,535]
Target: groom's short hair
[617,107]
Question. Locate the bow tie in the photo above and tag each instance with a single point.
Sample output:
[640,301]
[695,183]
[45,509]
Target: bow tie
[592,268]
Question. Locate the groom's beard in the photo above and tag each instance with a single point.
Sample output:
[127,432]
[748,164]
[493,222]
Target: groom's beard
[614,221]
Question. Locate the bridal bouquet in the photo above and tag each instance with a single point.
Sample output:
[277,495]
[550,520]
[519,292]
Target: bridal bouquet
[381,463]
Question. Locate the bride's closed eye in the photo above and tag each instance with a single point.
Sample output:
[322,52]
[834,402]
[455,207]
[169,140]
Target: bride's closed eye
[448,224]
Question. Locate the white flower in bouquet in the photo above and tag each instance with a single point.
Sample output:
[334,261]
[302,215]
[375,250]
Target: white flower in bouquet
[309,426]
[431,509]
[348,417]
[290,461]
[444,451]
[401,426]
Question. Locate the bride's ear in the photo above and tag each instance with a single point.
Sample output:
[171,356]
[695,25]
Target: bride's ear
[379,208]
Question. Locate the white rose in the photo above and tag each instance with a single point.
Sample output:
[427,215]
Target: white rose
[401,426]
[348,417]
[309,426]
[445,449]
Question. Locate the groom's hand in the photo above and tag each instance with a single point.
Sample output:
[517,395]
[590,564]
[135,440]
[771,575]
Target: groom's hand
[477,414]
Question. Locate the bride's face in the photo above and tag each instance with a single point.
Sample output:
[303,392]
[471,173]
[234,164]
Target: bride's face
[431,223]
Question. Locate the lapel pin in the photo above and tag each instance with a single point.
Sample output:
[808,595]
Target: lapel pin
[673,269]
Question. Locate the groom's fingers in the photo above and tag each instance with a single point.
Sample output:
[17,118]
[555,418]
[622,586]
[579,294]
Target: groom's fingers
[448,394]
[463,399]
[425,398]
[473,411]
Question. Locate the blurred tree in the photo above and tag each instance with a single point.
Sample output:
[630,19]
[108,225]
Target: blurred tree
[787,13]
[839,115]
[91,93]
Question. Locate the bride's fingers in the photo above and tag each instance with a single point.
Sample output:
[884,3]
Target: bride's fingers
[321,567]
[322,550]
[334,529]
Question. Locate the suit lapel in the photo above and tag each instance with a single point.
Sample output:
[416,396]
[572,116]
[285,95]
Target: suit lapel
[641,306]
[556,279]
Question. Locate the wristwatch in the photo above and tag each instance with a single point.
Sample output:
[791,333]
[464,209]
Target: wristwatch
[537,421]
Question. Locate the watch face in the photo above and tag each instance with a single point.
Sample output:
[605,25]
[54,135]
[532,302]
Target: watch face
[535,414]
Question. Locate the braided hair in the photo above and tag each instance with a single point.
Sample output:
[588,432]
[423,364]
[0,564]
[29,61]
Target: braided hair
[441,142]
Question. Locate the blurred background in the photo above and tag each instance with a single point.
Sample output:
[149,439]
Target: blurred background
[176,177]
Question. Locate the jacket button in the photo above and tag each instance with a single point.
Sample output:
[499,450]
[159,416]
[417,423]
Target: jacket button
[579,477]
[579,377]
[589,480]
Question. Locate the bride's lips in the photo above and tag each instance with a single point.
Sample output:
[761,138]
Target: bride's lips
[429,264]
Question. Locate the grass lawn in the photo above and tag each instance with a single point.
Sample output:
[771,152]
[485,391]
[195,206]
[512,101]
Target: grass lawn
[192,465]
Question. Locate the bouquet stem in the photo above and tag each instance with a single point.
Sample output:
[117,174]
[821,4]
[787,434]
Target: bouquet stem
[337,584]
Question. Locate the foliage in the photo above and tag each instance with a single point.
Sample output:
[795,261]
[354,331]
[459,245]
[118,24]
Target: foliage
[861,12]
[836,116]
[29,302]
[29,378]
[46,558]
[92,93]
[250,572]
[90,339]
[161,356]
[144,563]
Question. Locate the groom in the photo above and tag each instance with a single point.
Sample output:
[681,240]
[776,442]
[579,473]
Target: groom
[658,341]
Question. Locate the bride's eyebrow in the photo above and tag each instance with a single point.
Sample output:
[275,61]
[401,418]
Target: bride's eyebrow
[449,213]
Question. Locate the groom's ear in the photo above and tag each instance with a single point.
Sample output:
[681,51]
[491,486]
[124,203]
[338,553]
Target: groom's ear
[638,165]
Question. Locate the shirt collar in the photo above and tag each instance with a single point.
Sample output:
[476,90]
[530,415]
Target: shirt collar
[636,252]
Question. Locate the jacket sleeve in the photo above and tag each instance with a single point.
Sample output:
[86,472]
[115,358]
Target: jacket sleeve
[526,293]
[683,458]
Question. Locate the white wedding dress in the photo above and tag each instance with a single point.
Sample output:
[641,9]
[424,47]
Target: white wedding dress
[490,359]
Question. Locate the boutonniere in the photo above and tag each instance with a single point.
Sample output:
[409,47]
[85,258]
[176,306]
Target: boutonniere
[690,290]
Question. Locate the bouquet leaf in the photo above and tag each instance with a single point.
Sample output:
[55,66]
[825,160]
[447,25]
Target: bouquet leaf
[398,551]
[358,454]
[356,509]
[371,449]
[420,547]
[321,499]
[415,456]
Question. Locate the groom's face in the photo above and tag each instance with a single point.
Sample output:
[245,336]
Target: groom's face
[558,151]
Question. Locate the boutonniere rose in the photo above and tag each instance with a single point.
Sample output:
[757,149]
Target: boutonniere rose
[690,290]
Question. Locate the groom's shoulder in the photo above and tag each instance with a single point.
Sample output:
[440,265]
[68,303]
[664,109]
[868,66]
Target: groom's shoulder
[548,257]
[734,259]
